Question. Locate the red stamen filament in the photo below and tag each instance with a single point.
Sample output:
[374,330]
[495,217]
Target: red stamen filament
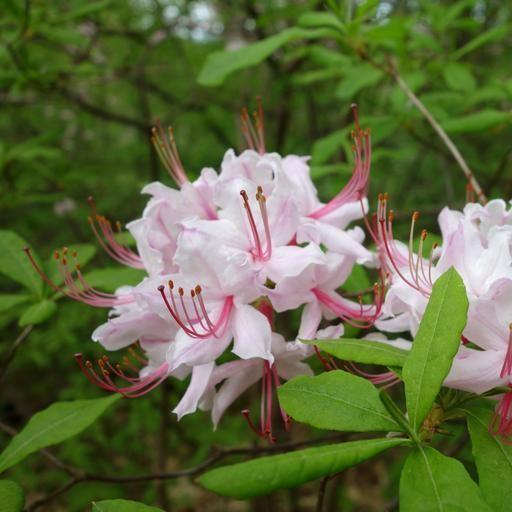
[506,369]
[76,287]
[259,253]
[253,130]
[107,239]
[165,145]
[207,328]
[136,386]
[357,186]
[501,423]
[269,382]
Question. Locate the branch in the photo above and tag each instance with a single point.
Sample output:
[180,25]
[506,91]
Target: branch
[83,476]
[470,177]
[4,365]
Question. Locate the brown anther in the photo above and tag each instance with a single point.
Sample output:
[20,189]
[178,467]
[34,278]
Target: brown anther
[171,284]
[101,363]
[64,261]
[118,367]
[88,364]
[386,195]
[415,216]
[106,373]
[243,193]
[435,245]
[64,251]
[105,358]
[56,255]
[192,293]
[380,196]
[181,291]
[74,254]
[198,290]
[424,234]
[391,215]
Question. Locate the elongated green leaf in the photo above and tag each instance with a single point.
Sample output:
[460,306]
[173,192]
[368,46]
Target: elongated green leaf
[363,351]
[363,76]
[477,122]
[493,460]
[15,264]
[122,506]
[267,474]
[12,497]
[459,77]
[493,34]
[8,301]
[109,279]
[58,422]
[336,400]
[432,482]
[219,65]
[321,19]
[435,345]
[38,313]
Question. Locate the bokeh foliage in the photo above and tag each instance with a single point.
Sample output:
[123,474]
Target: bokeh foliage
[81,84]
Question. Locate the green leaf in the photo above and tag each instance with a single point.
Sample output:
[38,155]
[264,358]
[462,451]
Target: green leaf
[363,351]
[493,34]
[432,482]
[336,400]
[15,264]
[12,497]
[321,19]
[38,313]
[219,65]
[55,424]
[477,122]
[435,345]
[8,301]
[109,279]
[459,78]
[327,146]
[360,77]
[493,460]
[267,474]
[122,506]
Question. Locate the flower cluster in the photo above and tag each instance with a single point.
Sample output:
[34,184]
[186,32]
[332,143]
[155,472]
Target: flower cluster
[477,242]
[224,255]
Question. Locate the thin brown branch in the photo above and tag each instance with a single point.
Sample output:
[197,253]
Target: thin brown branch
[452,148]
[7,360]
[84,476]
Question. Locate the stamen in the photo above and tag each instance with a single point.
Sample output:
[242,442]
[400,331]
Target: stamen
[165,146]
[357,186]
[252,224]
[77,288]
[501,423]
[506,369]
[107,239]
[262,200]
[207,328]
[254,130]
[135,386]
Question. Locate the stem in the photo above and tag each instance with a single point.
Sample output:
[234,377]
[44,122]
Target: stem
[4,365]
[470,177]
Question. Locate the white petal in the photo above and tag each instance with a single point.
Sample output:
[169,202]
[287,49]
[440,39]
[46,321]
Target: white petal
[251,333]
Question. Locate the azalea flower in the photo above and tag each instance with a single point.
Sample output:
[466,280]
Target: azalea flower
[235,377]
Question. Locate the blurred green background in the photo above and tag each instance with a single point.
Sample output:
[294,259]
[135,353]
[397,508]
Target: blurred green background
[81,84]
